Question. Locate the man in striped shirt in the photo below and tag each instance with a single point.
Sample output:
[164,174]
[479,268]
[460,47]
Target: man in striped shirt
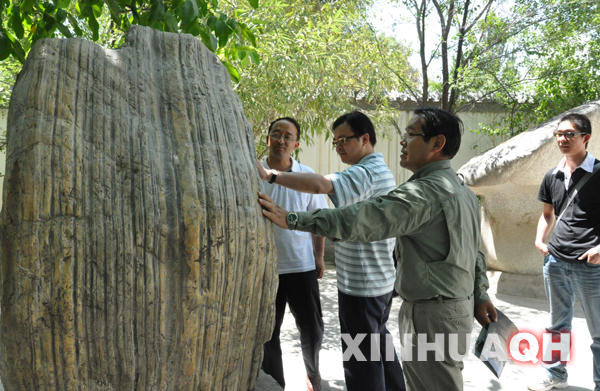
[365,271]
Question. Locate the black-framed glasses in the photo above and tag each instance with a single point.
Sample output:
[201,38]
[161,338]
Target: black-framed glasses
[410,136]
[342,140]
[566,135]
[287,138]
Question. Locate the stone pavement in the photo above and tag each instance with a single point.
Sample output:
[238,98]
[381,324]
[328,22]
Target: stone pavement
[527,314]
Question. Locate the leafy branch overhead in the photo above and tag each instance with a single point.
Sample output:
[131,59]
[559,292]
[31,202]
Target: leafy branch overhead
[24,22]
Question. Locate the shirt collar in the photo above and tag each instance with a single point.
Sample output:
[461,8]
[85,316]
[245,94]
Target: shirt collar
[295,164]
[433,166]
[587,165]
[374,155]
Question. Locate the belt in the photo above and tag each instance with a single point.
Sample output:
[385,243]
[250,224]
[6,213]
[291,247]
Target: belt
[438,298]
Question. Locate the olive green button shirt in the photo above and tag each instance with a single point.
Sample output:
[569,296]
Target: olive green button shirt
[435,219]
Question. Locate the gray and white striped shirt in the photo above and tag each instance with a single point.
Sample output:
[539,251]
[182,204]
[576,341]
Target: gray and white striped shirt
[364,269]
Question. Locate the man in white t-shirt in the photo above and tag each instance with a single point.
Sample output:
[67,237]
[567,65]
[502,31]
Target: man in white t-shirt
[300,260]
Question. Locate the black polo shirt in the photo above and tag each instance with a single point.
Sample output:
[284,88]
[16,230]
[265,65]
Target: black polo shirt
[579,228]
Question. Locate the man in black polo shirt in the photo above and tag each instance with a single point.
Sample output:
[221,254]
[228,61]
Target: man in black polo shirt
[571,260]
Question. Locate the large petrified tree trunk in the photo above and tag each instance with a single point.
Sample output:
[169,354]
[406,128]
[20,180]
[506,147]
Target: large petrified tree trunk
[134,253]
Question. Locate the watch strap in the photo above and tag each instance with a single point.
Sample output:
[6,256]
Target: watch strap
[274,174]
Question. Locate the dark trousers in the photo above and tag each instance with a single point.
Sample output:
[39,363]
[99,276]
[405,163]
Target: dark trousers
[301,292]
[368,315]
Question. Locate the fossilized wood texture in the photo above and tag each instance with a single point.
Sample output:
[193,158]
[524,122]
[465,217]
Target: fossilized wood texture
[134,252]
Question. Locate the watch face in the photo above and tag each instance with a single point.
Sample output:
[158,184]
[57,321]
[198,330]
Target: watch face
[292,218]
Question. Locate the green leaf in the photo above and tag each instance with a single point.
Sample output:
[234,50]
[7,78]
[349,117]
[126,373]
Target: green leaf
[97,9]
[253,3]
[15,21]
[157,11]
[214,43]
[246,33]
[255,57]
[235,75]
[49,23]
[212,22]
[202,7]
[136,16]
[27,5]
[172,21]
[16,50]
[63,4]
[93,23]
[64,30]
[74,25]
[61,15]
[5,46]
[115,11]
[220,28]
[190,11]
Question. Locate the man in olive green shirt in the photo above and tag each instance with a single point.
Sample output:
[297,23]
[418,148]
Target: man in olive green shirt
[435,219]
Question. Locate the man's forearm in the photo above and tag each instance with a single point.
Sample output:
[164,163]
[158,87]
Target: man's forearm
[305,182]
[318,246]
[481,281]
[543,229]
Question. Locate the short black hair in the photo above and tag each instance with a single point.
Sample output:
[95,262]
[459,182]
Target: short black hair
[359,123]
[580,121]
[439,121]
[289,119]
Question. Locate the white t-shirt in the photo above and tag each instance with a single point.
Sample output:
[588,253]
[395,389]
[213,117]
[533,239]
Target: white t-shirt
[294,248]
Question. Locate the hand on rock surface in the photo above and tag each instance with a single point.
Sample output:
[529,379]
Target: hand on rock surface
[274,212]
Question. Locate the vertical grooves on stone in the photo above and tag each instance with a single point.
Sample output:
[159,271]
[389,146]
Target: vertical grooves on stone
[134,253]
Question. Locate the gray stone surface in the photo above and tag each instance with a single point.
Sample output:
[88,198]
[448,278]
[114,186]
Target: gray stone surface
[507,180]
[265,383]
[134,252]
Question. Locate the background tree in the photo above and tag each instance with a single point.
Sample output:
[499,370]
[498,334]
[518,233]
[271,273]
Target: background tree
[318,60]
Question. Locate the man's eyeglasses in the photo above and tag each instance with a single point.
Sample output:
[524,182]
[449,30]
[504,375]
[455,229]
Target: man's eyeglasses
[410,136]
[566,134]
[287,138]
[342,140]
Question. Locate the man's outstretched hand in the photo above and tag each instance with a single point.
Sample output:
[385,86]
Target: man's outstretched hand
[264,174]
[485,313]
[274,212]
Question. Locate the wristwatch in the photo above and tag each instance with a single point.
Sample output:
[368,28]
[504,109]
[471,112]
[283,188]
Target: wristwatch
[274,174]
[292,220]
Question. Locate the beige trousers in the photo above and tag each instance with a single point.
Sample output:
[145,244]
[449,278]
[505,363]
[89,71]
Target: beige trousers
[434,335]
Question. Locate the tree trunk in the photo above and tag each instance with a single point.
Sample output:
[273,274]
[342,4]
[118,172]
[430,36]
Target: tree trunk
[134,252]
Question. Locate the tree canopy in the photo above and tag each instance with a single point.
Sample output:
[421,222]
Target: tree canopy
[318,60]
[537,58]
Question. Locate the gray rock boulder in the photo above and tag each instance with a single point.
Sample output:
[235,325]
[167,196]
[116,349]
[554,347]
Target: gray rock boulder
[507,179]
[134,252]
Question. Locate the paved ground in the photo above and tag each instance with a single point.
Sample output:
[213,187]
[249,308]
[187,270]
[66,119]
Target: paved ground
[527,314]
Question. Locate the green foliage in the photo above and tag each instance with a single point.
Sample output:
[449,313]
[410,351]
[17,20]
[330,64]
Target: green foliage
[24,22]
[318,60]
[555,64]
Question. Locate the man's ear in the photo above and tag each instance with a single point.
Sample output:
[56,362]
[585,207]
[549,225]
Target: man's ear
[296,145]
[586,137]
[366,140]
[439,143]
